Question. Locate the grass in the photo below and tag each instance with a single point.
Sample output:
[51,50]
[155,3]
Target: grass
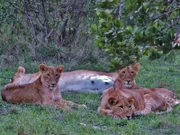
[35,120]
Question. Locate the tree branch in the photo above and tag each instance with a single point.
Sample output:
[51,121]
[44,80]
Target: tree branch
[29,18]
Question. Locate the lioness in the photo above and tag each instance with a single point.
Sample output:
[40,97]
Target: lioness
[78,80]
[39,91]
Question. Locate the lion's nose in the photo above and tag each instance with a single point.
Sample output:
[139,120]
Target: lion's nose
[128,81]
[53,84]
[128,117]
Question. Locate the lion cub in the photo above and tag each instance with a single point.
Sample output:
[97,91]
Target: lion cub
[126,79]
[120,103]
[39,91]
[21,78]
[125,103]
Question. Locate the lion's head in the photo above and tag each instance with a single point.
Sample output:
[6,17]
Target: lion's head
[50,75]
[127,75]
[122,107]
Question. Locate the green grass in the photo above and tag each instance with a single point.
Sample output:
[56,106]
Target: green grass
[35,120]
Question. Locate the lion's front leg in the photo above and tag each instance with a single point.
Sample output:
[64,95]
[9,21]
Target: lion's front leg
[106,112]
[62,105]
[146,110]
[57,104]
[57,94]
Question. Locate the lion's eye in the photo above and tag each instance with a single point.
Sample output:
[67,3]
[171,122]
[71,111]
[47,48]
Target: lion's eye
[121,106]
[132,72]
[129,106]
[57,75]
[48,74]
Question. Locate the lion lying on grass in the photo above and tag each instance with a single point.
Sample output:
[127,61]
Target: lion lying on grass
[39,91]
[78,80]
[153,99]
[126,79]
[130,100]
[125,103]
[154,102]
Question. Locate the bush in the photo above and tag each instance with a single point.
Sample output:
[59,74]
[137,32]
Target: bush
[129,29]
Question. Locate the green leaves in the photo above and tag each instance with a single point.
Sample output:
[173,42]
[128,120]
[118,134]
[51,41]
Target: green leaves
[145,28]
[107,3]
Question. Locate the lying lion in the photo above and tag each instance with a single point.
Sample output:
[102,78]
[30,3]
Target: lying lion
[154,102]
[124,97]
[118,106]
[155,99]
[78,80]
[123,104]
[126,79]
[39,91]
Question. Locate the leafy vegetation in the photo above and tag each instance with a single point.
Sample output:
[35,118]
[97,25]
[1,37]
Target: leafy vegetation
[33,119]
[57,32]
[47,30]
[129,29]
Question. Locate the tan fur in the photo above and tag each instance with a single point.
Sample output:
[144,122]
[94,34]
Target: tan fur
[155,99]
[121,107]
[21,78]
[21,70]
[78,80]
[140,105]
[123,96]
[154,102]
[126,79]
[40,91]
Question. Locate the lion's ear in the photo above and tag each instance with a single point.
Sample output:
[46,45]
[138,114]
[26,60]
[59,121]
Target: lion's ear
[137,67]
[112,101]
[43,67]
[131,100]
[60,68]
[21,70]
